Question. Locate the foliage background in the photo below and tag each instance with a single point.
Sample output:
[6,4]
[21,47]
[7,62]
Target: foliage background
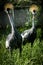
[30,55]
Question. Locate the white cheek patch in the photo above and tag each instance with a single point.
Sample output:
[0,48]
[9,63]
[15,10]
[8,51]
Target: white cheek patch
[7,44]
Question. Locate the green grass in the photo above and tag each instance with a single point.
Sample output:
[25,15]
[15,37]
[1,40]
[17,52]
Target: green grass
[29,56]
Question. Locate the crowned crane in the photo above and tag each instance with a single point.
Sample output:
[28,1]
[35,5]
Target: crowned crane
[14,39]
[30,34]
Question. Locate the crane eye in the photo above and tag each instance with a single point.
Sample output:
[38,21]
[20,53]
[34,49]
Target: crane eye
[9,10]
[34,11]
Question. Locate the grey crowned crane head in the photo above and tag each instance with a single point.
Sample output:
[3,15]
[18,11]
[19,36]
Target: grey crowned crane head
[33,9]
[10,8]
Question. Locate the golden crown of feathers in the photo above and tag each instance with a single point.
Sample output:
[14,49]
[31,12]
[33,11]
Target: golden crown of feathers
[8,5]
[33,7]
